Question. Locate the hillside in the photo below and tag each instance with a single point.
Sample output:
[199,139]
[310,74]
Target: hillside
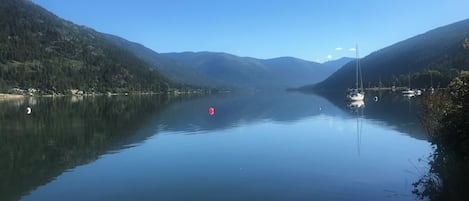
[281,73]
[40,50]
[434,56]
[337,64]
[173,70]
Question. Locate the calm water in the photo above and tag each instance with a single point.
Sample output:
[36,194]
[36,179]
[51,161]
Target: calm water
[279,146]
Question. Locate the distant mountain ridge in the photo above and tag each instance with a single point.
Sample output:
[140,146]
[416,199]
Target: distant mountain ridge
[218,69]
[337,64]
[282,72]
[172,69]
[437,50]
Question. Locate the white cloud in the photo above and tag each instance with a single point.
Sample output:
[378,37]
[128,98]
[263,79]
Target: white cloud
[339,48]
[329,57]
[352,49]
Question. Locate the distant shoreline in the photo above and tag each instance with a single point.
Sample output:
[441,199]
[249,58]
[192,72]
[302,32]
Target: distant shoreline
[10,96]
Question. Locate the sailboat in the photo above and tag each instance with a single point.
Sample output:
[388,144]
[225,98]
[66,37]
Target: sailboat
[408,91]
[357,94]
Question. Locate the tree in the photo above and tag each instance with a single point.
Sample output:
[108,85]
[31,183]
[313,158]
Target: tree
[446,118]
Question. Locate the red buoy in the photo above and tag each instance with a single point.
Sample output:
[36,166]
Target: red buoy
[211,111]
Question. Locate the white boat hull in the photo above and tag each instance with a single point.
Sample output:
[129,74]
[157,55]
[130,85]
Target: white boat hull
[356,96]
[408,92]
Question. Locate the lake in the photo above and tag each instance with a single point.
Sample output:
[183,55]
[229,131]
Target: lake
[257,146]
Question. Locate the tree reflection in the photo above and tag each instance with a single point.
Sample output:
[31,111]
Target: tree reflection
[62,133]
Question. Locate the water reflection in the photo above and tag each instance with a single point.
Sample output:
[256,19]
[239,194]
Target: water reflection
[391,108]
[355,105]
[358,107]
[233,110]
[62,133]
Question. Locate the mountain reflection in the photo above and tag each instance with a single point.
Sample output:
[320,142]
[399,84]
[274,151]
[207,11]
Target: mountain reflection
[391,109]
[387,107]
[234,109]
[62,133]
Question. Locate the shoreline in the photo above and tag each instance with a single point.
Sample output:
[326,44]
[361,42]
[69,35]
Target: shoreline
[8,96]
[4,97]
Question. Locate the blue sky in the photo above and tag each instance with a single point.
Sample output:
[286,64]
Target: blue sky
[307,29]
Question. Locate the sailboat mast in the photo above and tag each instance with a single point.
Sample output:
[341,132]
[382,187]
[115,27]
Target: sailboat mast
[360,72]
[356,73]
[409,81]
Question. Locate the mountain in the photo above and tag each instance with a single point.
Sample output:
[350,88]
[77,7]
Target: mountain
[280,73]
[297,72]
[175,71]
[337,64]
[436,55]
[226,70]
[40,50]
